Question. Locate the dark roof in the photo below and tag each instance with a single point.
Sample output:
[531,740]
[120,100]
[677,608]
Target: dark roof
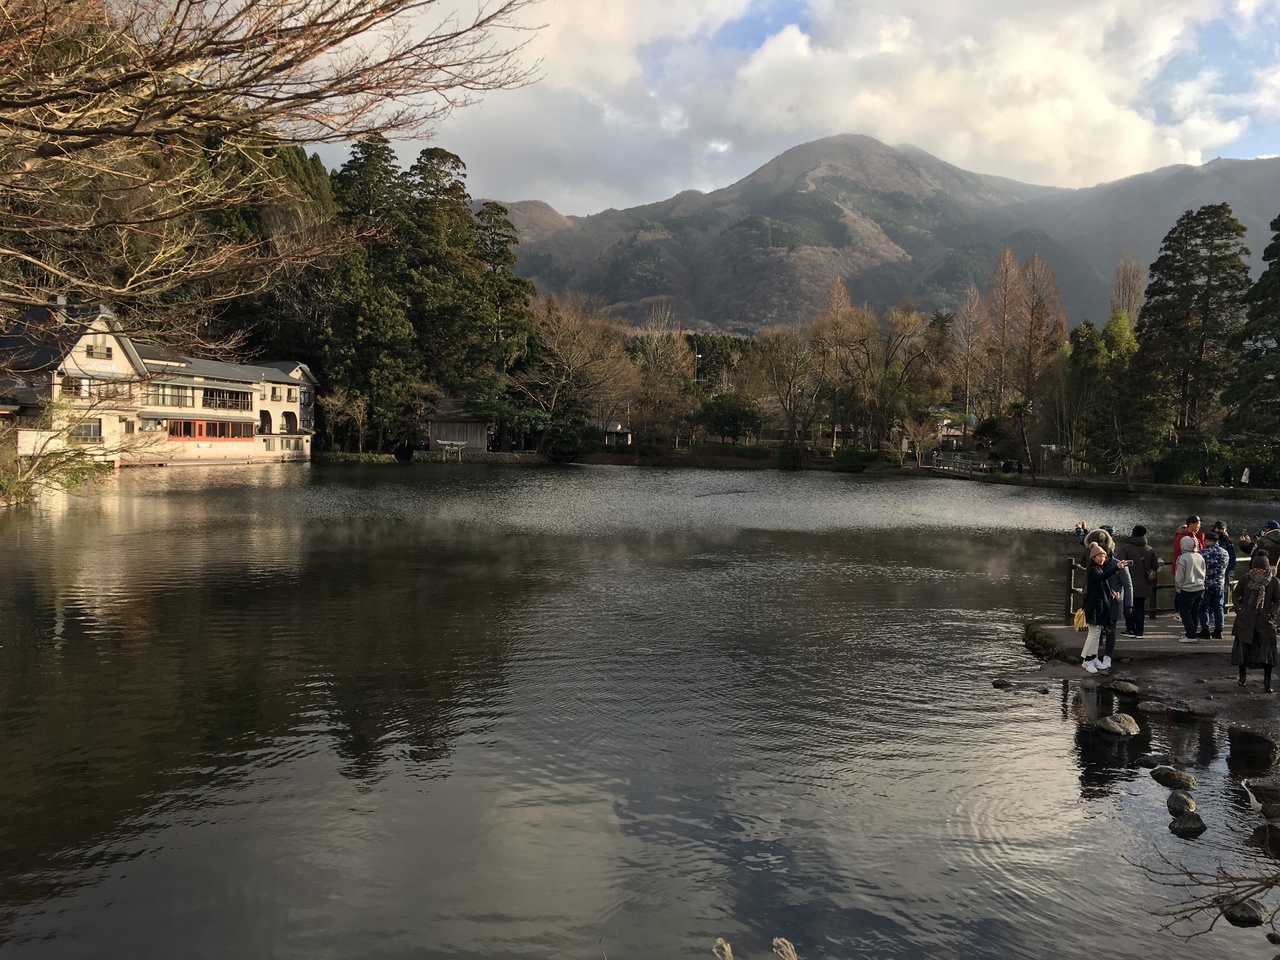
[211,369]
[39,340]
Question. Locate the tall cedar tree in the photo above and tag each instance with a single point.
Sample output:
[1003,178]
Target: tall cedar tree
[1193,314]
[1252,396]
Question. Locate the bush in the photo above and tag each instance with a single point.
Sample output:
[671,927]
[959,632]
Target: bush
[650,450]
[790,456]
[852,460]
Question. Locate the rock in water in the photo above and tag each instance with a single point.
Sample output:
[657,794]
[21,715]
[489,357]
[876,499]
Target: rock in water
[1180,802]
[1124,688]
[1119,725]
[1246,913]
[1188,826]
[1173,779]
[1273,938]
[1152,706]
[1153,760]
[1000,683]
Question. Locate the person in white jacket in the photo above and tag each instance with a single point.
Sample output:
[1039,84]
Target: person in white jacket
[1188,585]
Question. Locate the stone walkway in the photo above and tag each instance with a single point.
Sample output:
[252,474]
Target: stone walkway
[1160,639]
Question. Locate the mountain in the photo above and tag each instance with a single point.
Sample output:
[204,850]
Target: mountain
[892,222]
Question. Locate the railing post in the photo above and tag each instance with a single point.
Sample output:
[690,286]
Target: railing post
[1071,590]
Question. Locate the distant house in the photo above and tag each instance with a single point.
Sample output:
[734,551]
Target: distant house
[615,432]
[132,404]
[452,425]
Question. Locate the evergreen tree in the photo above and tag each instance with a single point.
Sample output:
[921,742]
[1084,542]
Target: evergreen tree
[1252,395]
[1193,313]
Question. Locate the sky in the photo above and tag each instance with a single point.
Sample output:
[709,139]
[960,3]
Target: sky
[638,100]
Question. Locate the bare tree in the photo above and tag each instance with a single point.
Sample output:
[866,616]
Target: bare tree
[795,367]
[130,128]
[1003,303]
[665,362]
[577,361]
[1041,328]
[1129,287]
[970,331]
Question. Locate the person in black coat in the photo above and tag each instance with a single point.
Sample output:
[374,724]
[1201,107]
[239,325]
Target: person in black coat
[1103,587]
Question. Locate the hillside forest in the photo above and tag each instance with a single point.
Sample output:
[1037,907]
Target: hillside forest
[429,307]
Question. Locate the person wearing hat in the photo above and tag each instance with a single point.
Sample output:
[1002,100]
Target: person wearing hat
[1270,542]
[1188,585]
[1257,600]
[1145,564]
[1103,590]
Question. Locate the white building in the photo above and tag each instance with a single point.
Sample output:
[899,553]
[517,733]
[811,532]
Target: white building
[134,404]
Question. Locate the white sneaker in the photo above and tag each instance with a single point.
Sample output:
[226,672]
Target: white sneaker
[1091,665]
[1104,663]
[1188,639]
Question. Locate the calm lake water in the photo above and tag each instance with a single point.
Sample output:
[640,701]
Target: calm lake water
[445,711]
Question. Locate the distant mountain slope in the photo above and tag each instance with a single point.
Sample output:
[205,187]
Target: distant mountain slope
[893,222]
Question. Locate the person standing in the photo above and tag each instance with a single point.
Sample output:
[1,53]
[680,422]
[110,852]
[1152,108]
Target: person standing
[1257,600]
[1204,475]
[1099,595]
[1270,542]
[1227,479]
[1244,477]
[1188,585]
[1215,584]
[1142,572]
[1190,528]
[1227,544]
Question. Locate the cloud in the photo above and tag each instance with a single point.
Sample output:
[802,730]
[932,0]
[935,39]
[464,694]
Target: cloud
[641,100]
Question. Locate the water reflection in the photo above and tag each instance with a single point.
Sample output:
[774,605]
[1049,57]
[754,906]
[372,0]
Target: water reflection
[438,712]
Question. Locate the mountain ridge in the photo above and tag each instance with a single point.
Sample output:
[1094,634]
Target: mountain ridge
[892,222]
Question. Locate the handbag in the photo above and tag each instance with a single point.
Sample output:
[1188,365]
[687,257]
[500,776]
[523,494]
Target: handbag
[1080,622]
[1151,577]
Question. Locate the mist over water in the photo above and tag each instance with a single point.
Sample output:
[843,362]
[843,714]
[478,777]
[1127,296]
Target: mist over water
[449,711]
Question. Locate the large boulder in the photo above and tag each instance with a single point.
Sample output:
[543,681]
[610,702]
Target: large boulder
[1173,779]
[1119,725]
[1245,913]
[1188,826]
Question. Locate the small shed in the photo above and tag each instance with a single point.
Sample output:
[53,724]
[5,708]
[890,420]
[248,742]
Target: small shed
[453,424]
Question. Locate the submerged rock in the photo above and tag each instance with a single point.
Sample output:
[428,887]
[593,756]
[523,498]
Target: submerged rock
[1119,725]
[1153,760]
[1173,779]
[1181,802]
[1000,683]
[1188,826]
[1246,913]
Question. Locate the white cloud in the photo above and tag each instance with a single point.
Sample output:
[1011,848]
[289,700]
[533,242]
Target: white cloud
[640,101]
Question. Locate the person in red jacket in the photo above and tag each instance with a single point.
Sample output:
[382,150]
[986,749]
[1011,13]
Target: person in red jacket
[1189,529]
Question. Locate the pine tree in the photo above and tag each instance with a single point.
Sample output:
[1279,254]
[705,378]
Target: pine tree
[1193,313]
[1252,396]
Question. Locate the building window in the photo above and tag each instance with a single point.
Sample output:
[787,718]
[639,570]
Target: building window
[168,395]
[293,395]
[227,400]
[206,429]
[268,444]
[290,443]
[275,393]
[152,425]
[86,431]
[97,348]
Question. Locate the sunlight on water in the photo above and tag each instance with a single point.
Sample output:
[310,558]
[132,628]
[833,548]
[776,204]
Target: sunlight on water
[454,711]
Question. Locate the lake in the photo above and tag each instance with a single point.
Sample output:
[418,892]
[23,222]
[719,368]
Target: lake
[450,711]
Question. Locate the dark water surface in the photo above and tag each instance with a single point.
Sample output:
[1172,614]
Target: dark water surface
[447,711]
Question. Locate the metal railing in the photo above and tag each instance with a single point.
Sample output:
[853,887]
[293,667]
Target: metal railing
[1153,607]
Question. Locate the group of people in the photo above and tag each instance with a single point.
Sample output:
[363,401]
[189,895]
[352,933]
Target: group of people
[1121,576]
